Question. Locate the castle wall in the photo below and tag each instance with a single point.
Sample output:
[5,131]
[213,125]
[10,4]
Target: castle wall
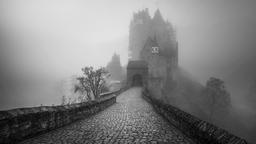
[155,86]
[201,131]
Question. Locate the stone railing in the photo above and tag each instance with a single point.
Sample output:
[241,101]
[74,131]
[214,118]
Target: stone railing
[19,124]
[200,131]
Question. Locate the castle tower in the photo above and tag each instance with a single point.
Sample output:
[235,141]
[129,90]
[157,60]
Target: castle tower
[153,40]
[143,26]
[155,35]
[139,31]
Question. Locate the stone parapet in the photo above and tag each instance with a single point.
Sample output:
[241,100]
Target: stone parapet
[19,124]
[200,131]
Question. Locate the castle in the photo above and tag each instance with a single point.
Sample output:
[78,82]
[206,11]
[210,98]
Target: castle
[153,40]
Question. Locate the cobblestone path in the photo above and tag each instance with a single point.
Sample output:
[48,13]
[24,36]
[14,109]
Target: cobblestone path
[130,120]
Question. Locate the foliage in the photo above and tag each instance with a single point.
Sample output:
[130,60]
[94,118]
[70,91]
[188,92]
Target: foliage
[219,97]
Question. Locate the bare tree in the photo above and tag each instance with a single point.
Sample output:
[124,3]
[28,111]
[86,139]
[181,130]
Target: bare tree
[83,88]
[92,81]
[218,96]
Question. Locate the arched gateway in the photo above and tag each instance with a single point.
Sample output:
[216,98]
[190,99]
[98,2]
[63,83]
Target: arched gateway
[137,73]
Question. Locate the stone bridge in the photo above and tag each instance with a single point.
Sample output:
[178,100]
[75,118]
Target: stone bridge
[130,120]
[130,117]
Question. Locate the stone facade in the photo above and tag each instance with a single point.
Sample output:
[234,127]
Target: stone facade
[18,124]
[161,66]
[200,131]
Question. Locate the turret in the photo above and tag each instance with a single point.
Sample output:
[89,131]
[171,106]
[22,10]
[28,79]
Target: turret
[158,17]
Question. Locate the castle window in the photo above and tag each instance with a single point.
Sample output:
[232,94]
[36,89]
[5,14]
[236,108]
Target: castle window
[155,50]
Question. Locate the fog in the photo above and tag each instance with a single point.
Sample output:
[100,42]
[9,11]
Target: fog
[45,42]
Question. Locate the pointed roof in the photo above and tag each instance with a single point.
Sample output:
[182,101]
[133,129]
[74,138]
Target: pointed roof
[158,16]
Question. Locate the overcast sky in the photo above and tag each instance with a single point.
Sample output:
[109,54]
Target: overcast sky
[58,37]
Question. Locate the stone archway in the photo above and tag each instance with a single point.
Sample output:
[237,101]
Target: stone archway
[137,80]
[137,73]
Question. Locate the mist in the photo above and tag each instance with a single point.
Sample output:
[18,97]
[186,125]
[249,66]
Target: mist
[44,44]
